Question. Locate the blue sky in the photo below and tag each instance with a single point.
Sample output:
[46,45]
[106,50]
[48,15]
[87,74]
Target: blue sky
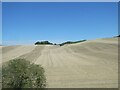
[25,23]
[0,23]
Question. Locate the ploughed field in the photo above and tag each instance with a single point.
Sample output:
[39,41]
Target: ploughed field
[89,64]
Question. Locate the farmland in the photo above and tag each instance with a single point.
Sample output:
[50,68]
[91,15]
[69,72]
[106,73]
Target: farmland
[89,64]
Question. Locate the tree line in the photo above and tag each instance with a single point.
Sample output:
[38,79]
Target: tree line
[61,44]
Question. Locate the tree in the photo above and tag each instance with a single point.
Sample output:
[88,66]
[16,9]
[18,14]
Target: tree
[20,73]
[43,43]
[118,36]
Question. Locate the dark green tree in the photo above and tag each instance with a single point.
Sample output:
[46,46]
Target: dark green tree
[43,43]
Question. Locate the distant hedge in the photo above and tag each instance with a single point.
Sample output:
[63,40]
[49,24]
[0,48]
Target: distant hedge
[43,43]
[70,42]
[19,73]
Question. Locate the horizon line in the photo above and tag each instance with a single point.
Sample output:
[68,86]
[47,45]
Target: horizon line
[31,42]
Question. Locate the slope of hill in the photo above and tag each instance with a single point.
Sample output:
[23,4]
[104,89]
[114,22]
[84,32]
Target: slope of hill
[90,64]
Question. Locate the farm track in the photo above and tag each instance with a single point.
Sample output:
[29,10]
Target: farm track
[33,55]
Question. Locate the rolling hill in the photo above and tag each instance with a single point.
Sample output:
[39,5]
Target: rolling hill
[89,64]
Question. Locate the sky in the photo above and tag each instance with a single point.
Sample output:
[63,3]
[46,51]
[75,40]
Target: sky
[26,23]
[0,23]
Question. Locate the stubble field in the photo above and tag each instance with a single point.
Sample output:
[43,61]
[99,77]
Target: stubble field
[90,64]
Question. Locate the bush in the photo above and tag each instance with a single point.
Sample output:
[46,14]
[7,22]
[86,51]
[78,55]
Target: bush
[19,73]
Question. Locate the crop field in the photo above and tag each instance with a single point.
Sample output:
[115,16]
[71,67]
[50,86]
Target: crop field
[89,64]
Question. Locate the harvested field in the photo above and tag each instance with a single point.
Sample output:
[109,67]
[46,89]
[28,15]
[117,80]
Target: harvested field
[90,64]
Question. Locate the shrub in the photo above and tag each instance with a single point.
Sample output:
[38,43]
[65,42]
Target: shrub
[20,73]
